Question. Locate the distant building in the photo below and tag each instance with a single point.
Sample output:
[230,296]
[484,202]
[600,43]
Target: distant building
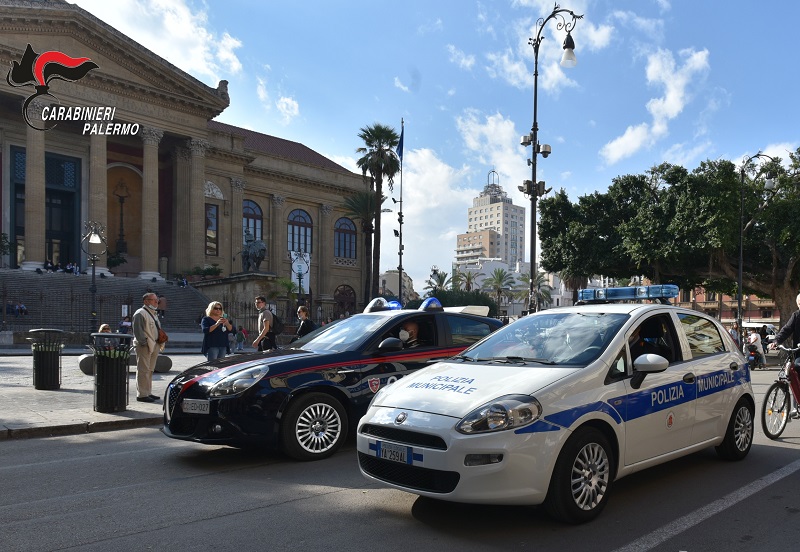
[389,286]
[495,228]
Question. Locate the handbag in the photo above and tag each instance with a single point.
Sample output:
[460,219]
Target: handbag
[162,335]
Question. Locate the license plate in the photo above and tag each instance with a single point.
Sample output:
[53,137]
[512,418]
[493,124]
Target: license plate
[395,453]
[196,406]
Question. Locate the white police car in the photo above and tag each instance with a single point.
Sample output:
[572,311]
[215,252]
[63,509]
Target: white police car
[555,407]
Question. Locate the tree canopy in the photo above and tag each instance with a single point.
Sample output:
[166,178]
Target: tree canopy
[682,227]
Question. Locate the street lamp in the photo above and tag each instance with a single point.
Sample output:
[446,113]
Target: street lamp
[566,20]
[122,194]
[299,265]
[768,185]
[94,245]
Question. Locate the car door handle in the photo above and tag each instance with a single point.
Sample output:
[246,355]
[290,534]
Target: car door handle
[688,378]
[346,371]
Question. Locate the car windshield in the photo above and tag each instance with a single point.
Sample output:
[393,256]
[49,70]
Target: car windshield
[344,335]
[545,339]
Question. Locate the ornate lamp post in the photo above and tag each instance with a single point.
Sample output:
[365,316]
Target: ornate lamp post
[94,245]
[566,20]
[299,266]
[768,185]
[122,193]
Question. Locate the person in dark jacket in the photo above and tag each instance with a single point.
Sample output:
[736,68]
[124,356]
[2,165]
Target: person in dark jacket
[790,329]
[306,324]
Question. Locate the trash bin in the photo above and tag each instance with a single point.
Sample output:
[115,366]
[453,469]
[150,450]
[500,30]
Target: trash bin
[46,345]
[111,354]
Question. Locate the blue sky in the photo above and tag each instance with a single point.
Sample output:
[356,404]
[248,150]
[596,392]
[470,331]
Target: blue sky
[656,81]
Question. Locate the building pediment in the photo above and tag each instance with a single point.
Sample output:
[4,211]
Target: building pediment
[127,71]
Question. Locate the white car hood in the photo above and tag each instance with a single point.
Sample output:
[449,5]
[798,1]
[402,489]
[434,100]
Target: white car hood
[457,388]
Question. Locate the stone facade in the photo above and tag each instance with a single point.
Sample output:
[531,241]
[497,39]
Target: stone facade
[172,193]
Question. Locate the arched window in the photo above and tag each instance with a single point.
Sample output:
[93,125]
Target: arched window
[344,239]
[252,219]
[299,233]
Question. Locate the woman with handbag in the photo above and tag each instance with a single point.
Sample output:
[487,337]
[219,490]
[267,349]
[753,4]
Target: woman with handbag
[215,326]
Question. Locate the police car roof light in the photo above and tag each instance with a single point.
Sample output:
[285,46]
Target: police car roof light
[659,292]
[380,304]
[431,304]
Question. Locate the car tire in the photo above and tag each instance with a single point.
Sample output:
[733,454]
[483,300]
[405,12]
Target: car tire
[775,410]
[578,500]
[739,433]
[313,427]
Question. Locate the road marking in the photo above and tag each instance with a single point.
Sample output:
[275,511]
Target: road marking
[688,521]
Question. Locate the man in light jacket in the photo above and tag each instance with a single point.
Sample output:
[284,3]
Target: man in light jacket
[145,334]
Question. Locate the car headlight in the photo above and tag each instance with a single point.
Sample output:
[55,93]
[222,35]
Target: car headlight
[238,382]
[509,412]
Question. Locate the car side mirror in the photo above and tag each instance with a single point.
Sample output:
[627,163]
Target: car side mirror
[390,345]
[647,364]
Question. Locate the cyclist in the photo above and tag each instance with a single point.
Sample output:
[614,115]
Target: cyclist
[790,329]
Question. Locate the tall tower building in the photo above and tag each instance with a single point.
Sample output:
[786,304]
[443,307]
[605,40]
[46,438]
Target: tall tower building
[495,227]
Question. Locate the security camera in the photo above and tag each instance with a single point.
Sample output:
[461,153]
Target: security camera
[525,140]
[545,150]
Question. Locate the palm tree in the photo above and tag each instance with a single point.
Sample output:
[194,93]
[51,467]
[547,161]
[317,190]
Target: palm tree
[380,161]
[499,283]
[290,289]
[361,206]
[541,288]
[573,282]
[470,278]
[438,282]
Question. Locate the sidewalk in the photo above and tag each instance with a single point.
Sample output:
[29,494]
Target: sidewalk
[29,412]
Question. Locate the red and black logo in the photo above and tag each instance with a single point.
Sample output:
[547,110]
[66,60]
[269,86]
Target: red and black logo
[38,70]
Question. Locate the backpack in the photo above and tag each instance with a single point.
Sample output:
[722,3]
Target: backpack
[277,325]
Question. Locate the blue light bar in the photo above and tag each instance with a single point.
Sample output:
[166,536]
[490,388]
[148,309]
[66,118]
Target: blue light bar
[431,304]
[632,293]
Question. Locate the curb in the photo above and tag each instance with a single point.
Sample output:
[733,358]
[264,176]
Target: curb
[77,428]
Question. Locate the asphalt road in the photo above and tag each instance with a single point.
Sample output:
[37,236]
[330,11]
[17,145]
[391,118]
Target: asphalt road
[138,490]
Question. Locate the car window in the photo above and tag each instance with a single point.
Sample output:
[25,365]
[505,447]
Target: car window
[347,334]
[655,335]
[466,331]
[702,334]
[423,325]
[568,338]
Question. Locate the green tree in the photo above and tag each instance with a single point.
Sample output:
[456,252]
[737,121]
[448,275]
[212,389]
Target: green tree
[5,246]
[380,161]
[542,289]
[437,283]
[673,225]
[460,298]
[361,206]
[499,284]
[290,289]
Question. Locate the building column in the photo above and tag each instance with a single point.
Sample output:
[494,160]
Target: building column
[196,199]
[150,200]
[237,196]
[35,224]
[277,252]
[324,252]
[98,191]
[181,211]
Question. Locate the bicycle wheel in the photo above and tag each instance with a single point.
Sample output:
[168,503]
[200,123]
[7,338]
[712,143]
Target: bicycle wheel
[775,411]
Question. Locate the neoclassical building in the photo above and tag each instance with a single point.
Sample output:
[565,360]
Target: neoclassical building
[129,141]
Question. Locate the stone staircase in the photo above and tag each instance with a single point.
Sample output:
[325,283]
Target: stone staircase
[63,301]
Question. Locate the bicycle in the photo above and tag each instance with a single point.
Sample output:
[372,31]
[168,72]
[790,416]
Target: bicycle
[780,402]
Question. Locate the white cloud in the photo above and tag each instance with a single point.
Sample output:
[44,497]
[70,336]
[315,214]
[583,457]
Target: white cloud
[462,60]
[289,109]
[399,84]
[262,92]
[179,33]
[662,71]
[687,155]
[430,27]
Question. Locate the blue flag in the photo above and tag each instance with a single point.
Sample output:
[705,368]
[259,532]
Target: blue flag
[400,144]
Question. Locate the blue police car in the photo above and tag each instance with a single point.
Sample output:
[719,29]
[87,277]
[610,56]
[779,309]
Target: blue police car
[302,399]
[555,407]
